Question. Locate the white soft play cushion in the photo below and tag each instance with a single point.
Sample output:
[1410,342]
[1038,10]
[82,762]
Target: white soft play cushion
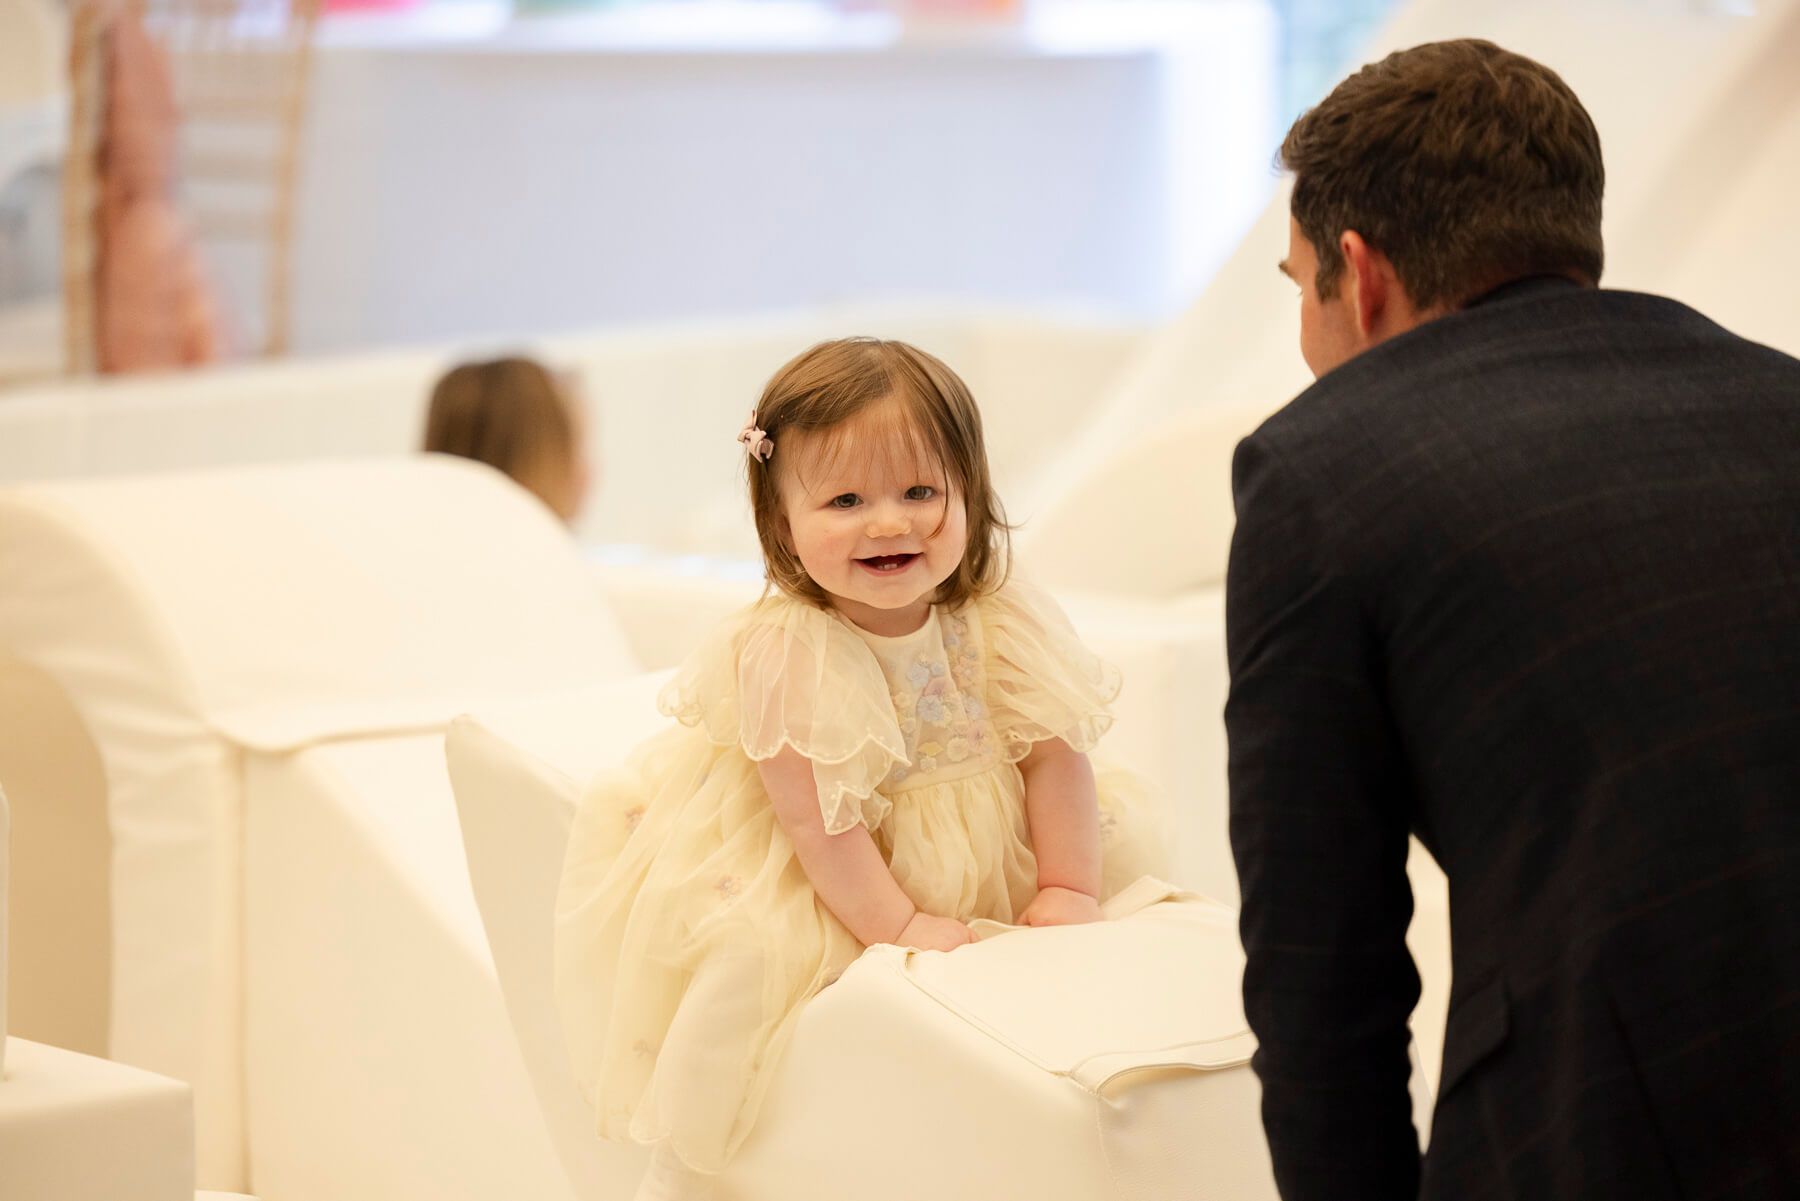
[378,1059]
[1101,1062]
[188,616]
[1153,519]
[515,776]
[76,1128]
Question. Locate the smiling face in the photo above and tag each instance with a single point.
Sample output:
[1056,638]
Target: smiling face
[872,519]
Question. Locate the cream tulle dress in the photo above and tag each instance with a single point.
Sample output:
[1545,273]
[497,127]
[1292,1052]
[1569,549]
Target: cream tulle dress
[688,937]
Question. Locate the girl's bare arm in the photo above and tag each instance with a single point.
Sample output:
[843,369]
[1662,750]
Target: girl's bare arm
[847,869]
[1064,814]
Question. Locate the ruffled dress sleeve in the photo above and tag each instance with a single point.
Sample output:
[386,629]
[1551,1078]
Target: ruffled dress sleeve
[1043,682]
[784,673]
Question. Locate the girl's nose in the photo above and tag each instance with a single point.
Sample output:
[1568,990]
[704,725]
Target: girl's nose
[888,521]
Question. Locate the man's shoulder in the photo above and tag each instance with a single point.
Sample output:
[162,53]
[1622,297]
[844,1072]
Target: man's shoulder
[1536,341]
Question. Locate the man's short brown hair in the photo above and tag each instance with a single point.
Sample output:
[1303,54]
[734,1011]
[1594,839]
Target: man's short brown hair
[1465,164]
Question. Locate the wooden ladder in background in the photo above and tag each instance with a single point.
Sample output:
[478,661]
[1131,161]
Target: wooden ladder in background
[239,71]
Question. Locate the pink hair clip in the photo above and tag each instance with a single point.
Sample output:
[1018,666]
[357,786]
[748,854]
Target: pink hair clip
[757,443]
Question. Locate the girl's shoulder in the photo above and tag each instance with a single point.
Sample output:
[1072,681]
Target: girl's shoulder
[779,654]
[1017,609]
[783,673]
[774,614]
[1043,681]
[770,623]
[780,632]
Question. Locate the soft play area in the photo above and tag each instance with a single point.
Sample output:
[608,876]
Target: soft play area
[294,719]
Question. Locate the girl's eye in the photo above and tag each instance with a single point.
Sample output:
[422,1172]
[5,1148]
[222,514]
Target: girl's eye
[847,501]
[921,492]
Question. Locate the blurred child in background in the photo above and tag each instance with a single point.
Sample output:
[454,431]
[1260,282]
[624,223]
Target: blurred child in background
[516,415]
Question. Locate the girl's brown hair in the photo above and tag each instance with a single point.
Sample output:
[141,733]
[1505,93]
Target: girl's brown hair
[824,388]
[511,414]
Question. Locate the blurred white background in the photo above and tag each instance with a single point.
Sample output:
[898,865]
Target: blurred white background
[497,168]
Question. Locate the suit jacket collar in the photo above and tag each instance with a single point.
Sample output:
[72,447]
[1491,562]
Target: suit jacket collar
[1529,285]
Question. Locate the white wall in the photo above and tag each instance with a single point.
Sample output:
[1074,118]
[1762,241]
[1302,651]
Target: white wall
[565,174]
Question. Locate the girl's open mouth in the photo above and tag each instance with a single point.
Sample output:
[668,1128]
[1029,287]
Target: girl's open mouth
[887,564]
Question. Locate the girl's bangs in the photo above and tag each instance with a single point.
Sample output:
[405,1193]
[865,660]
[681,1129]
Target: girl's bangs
[896,433]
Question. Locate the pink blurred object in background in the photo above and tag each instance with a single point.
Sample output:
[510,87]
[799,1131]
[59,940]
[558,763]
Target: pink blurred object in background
[155,309]
[984,9]
[364,6]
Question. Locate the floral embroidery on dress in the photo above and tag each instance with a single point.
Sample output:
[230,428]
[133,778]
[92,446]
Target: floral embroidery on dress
[965,656]
[728,888]
[934,683]
[633,816]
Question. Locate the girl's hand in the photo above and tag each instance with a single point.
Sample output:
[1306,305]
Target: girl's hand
[928,933]
[1056,906]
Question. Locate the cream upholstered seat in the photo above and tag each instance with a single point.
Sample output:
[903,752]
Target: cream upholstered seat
[182,623]
[379,1062]
[515,806]
[77,1128]
[1133,1083]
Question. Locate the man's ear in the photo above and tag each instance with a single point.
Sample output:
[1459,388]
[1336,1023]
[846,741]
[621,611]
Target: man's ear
[1368,281]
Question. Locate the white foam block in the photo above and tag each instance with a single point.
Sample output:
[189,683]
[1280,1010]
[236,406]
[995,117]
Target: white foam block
[1100,1061]
[76,1128]
[1079,1062]
[379,1061]
[188,616]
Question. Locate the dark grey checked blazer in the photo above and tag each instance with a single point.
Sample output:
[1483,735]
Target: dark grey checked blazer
[1525,581]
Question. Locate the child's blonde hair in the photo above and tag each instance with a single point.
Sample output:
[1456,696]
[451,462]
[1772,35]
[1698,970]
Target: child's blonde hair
[512,414]
[825,387]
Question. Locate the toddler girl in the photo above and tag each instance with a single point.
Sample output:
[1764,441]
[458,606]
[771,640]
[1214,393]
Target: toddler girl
[889,745]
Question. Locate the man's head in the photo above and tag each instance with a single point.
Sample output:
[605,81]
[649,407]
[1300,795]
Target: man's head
[1429,178]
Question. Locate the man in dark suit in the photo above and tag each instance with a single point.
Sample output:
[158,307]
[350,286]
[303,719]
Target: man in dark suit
[1520,574]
